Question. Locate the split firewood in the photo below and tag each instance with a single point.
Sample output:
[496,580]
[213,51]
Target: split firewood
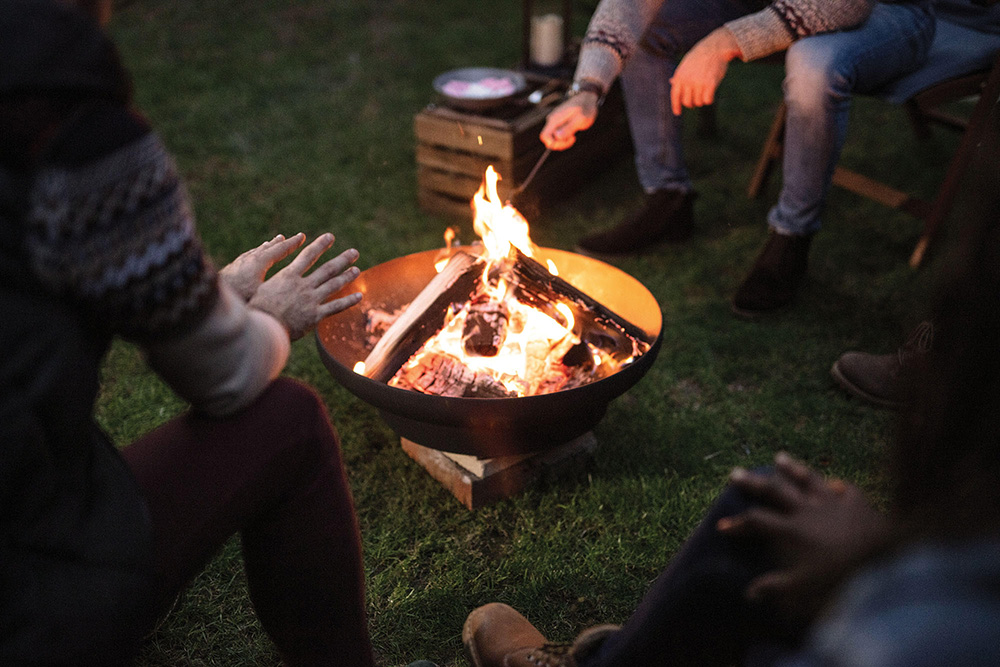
[424,316]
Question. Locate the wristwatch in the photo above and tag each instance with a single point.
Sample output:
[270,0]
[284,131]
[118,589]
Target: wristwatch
[587,86]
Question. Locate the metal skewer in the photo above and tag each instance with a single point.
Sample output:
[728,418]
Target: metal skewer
[531,174]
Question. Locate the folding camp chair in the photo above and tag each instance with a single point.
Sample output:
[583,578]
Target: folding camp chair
[962,63]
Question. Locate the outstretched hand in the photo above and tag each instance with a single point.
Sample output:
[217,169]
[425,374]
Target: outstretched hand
[702,69]
[297,300]
[575,114]
[246,273]
[818,530]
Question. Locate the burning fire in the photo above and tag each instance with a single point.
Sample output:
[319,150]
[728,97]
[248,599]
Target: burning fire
[520,349]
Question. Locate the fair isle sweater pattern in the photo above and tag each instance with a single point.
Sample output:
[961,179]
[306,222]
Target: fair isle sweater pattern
[117,236]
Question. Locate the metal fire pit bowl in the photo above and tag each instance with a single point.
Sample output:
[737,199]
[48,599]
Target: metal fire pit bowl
[486,427]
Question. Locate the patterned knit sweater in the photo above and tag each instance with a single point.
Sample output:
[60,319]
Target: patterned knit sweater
[97,240]
[617,27]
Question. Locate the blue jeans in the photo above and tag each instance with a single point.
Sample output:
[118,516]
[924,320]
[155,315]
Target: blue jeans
[656,131]
[822,72]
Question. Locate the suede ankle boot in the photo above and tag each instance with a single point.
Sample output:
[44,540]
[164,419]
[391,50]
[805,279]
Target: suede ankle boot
[496,635]
[887,380]
[775,276]
[666,216]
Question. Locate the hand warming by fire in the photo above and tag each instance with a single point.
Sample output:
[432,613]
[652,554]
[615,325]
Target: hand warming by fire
[497,323]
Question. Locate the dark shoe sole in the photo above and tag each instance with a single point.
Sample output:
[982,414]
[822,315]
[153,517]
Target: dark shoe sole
[855,390]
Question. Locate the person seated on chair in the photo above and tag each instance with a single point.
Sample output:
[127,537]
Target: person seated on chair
[98,241]
[673,55]
[789,568]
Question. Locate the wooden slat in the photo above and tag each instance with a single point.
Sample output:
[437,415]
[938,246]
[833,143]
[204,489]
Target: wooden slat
[468,137]
[442,159]
[448,182]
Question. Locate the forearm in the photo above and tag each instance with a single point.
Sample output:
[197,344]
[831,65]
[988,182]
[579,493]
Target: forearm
[778,25]
[613,34]
[223,364]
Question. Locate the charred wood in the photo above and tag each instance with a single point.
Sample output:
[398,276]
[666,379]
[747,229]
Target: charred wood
[444,375]
[485,328]
[595,324]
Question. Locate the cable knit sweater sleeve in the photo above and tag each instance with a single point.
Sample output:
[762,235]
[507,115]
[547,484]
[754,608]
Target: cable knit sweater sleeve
[617,26]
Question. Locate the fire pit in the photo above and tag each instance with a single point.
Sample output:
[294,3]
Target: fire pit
[486,427]
[499,350]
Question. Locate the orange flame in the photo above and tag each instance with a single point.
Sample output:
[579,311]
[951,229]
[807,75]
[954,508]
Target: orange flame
[499,225]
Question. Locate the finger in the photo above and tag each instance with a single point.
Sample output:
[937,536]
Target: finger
[335,267]
[797,472]
[561,143]
[308,256]
[553,123]
[279,247]
[707,96]
[566,130]
[756,521]
[271,242]
[770,489]
[336,305]
[687,96]
[334,282]
[769,585]
[557,137]
[675,98]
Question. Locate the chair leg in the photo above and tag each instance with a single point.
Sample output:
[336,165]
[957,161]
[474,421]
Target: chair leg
[956,168]
[769,154]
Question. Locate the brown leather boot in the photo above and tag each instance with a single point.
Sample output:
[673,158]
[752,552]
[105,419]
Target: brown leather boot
[775,276]
[886,379]
[667,216]
[496,635]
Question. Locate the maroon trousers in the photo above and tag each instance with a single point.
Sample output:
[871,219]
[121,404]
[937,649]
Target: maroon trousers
[273,474]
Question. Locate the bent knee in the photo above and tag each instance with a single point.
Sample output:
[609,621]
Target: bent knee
[290,399]
[816,74]
[300,415]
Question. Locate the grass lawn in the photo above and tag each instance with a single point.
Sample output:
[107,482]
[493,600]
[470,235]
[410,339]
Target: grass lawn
[288,117]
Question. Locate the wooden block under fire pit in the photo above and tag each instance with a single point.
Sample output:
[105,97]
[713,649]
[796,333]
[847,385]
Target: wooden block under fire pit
[479,482]
[455,147]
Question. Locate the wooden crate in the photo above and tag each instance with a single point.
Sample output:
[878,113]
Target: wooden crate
[455,147]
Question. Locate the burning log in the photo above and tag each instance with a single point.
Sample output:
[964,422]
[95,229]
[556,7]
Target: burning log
[596,324]
[424,316]
[485,327]
[444,375]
